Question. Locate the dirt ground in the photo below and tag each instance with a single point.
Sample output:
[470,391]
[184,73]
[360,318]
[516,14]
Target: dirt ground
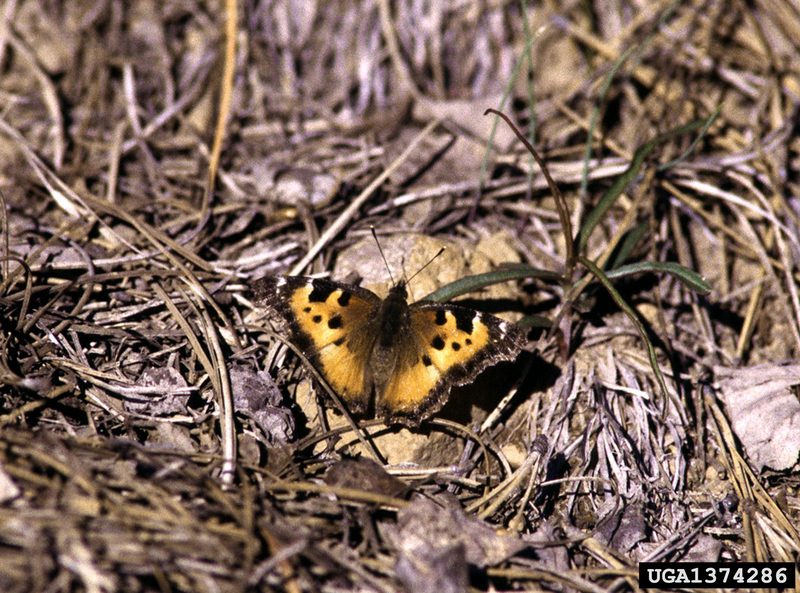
[162,428]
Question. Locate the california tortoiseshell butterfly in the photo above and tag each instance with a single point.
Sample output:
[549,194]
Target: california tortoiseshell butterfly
[405,356]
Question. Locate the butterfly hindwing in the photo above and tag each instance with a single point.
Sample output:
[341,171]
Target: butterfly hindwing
[447,345]
[333,325]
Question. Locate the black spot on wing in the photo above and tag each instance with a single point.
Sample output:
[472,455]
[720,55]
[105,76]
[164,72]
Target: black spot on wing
[335,322]
[344,299]
[339,341]
[468,342]
[316,318]
[464,319]
[306,309]
[441,317]
[438,343]
[320,291]
[456,346]
[426,360]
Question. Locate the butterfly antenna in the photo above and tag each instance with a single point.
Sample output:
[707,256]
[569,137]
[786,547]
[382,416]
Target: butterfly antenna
[430,261]
[405,275]
[380,249]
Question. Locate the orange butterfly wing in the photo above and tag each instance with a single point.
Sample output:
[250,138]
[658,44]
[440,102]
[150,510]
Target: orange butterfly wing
[333,325]
[448,345]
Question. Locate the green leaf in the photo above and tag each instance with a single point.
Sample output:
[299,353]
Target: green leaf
[631,240]
[689,278]
[621,183]
[476,282]
[628,310]
[688,151]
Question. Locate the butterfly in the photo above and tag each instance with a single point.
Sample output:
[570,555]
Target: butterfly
[384,354]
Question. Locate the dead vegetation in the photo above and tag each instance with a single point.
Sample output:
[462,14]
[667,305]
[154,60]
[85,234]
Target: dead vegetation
[156,437]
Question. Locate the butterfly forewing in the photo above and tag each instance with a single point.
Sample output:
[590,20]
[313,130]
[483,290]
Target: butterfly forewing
[333,324]
[448,345]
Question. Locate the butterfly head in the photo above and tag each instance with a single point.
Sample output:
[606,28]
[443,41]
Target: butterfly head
[398,291]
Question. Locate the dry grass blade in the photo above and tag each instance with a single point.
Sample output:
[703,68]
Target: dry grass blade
[225,98]
[747,485]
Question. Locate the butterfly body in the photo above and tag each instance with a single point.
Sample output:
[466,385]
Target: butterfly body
[393,315]
[400,359]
